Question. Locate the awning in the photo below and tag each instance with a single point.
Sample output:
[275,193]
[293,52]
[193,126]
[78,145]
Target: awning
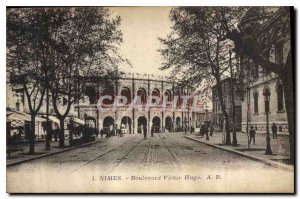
[78,120]
[39,119]
[54,119]
[17,117]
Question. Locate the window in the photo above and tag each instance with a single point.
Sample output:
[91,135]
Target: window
[255,102]
[279,53]
[256,71]
[280,97]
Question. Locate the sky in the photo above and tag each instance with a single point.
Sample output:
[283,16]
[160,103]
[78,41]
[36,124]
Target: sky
[141,27]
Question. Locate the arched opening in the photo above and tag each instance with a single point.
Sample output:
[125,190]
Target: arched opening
[90,91]
[127,94]
[142,94]
[156,124]
[168,97]
[142,125]
[178,124]
[280,98]
[108,92]
[168,124]
[156,93]
[255,96]
[126,124]
[108,124]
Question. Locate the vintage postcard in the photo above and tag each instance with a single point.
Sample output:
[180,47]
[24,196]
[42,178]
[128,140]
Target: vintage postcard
[150,100]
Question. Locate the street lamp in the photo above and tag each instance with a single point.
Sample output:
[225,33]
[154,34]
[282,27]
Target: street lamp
[267,103]
[206,126]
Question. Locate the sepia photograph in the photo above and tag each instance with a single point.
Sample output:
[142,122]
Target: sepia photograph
[141,99]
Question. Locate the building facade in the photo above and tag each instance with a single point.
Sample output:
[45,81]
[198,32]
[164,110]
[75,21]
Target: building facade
[275,46]
[136,119]
[218,119]
[256,116]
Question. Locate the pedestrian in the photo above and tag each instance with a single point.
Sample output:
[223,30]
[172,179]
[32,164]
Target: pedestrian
[202,130]
[145,132]
[56,132]
[119,132]
[96,131]
[206,131]
[115,131]
[152,131]
[211,130]
[101,133]
[274,130]
[252,135]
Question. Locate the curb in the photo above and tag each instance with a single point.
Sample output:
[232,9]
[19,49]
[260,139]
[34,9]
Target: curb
[258,159]
[50,153]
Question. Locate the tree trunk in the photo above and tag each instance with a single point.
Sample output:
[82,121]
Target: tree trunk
[32,134]
[287,81]
[225,114]
[234,139]
[62,134]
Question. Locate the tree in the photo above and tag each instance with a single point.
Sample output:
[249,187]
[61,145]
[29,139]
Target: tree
[27,57]
[196,50]
[85,44]
[255,31]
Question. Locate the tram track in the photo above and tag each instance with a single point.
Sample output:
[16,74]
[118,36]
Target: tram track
[172,153]
[131,150]
[124,157]
[107,152]
[146,154]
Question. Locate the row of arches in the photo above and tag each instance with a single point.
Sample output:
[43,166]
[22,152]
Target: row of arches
[142,124]
[93,96]
[279,97]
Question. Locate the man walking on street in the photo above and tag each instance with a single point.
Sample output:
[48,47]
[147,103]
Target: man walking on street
[206,131]
[101,132]
[274,130]
[211,130]
[252,135]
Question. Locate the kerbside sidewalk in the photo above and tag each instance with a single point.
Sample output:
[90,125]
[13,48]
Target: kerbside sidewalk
[280,147]
[40,152]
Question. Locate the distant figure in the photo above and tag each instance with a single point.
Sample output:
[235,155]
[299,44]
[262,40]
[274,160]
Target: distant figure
[101,132]
[274,130]
[206,131]
[96,131]
[56,132]
[115,131]
[192,130]
[119,133]
[202,131]
[211,130]
[252,135]
[144,131]
[152,131]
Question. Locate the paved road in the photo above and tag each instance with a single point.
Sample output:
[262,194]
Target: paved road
[176,161]
[168,151]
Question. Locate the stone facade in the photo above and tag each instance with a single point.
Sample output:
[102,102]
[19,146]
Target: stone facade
[138,119]
[257,116]
[275,43]
[217,112]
